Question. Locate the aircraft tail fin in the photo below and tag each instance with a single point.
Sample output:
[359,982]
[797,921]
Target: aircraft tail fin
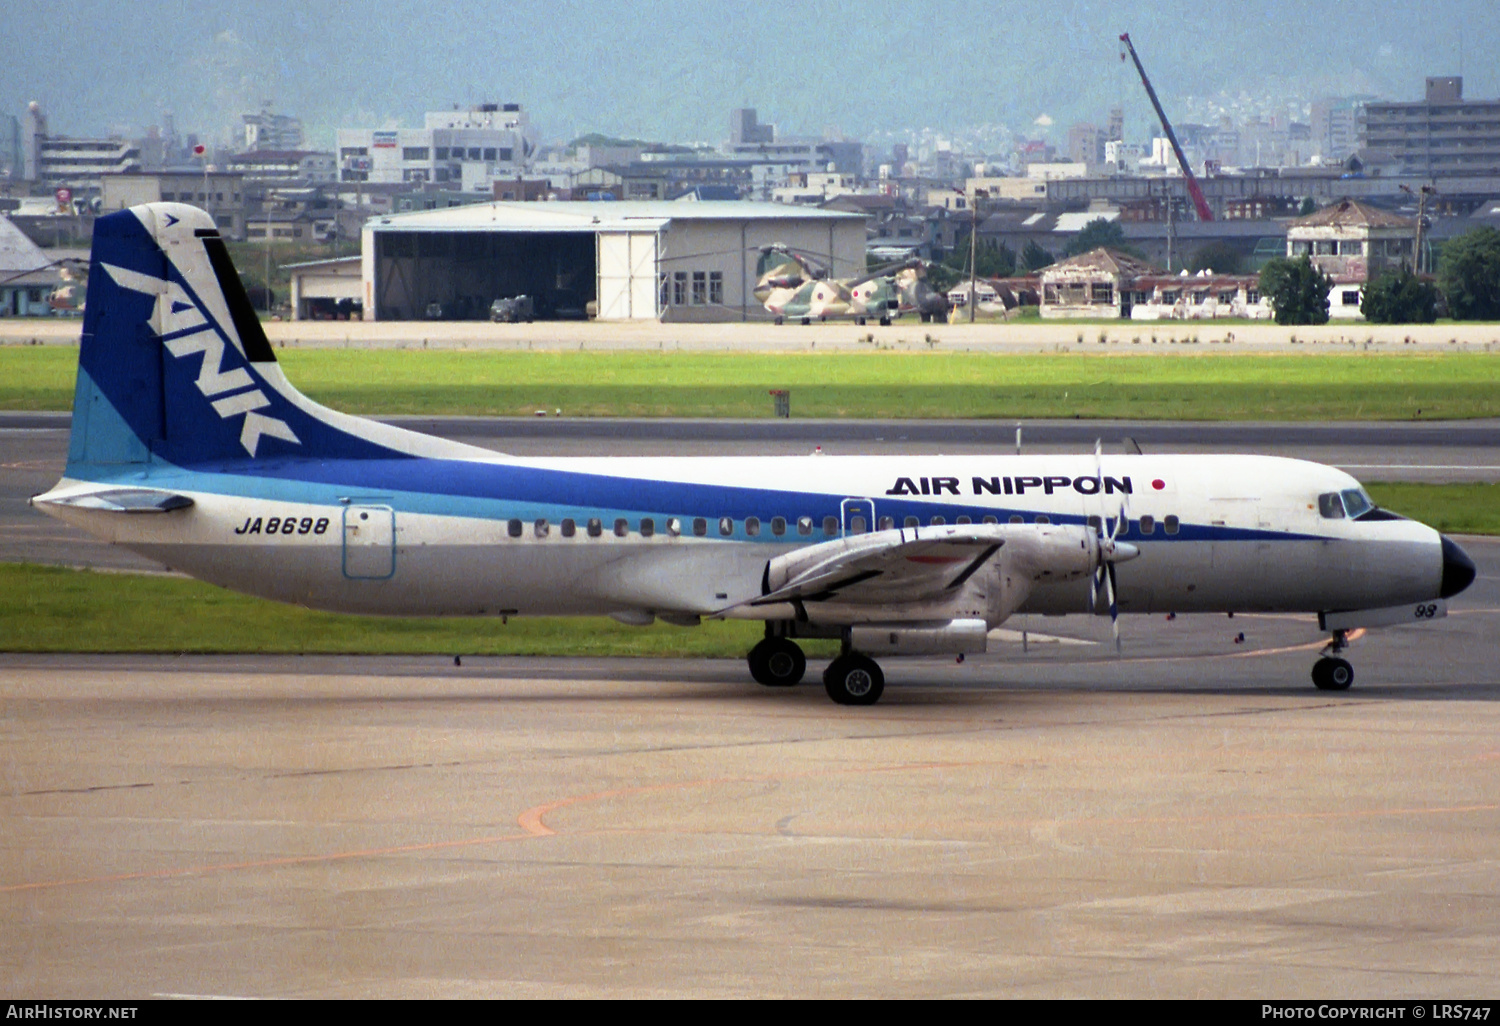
[174,366]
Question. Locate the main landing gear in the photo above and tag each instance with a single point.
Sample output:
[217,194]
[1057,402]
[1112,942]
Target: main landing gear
[851,679]
[1331,673]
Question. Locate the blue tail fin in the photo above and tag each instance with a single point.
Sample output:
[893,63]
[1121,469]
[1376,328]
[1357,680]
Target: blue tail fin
[174,366]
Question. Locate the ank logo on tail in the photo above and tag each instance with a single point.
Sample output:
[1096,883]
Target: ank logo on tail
[186,328]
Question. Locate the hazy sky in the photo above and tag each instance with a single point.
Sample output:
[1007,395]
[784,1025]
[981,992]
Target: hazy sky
[673,71]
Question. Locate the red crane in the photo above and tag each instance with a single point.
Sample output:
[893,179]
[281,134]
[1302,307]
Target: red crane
[1199,202]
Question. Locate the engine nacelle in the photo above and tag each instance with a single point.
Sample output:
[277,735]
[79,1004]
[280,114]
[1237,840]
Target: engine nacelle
[950,638]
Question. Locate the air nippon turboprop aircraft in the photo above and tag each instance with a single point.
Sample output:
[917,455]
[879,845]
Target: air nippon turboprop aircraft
[191,447]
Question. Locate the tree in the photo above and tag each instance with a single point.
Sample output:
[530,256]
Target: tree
[1034,257]
[1469,275]
[1399,297]
[1099,232]
[1296,290]
[1308,206]
[1219,257]
[992,260]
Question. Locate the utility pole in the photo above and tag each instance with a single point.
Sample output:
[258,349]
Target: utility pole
[973,251]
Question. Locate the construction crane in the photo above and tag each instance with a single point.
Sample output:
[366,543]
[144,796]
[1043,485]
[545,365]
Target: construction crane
[1199,202]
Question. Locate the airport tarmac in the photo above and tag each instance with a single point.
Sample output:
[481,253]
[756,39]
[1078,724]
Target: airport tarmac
[1189,819]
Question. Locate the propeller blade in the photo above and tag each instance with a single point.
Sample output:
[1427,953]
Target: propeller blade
[1114,609]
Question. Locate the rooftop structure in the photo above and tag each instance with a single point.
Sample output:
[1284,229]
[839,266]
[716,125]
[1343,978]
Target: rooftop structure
[1442,133]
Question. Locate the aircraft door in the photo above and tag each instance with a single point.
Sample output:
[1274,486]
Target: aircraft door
[857,516]
[369,542]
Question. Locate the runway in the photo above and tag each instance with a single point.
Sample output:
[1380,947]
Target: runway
[1189,819]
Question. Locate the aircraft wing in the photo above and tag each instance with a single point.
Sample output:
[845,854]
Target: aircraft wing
[122,500]
[904,565]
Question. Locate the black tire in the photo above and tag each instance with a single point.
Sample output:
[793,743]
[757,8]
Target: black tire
[860,321]
[885,322]
[780,321]
[806,321]
[1332,675]
[777,663]
[854,679]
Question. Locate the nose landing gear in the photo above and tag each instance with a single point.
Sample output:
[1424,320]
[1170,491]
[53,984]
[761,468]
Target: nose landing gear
[1331,673]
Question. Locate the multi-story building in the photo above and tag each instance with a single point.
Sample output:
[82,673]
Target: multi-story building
[1441,134]
[466,148]
[221,194]
[284,166]
[1351,243]
[268,131]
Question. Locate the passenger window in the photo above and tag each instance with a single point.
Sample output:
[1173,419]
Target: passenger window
[1331,506]
[1170,525]
[540,528]
[856,525]
[963,520]
[830,526]
[700,526]
[804,525]
[937,521]
[596,527]
[911,522]
[622,527]
[569,528]
[886,523]
[648,527]
[1148,525]
[674,526]
[778,526]
[726,526]
[1043,518]
[991,519]
[1016,518]
[752,526]
[513,528]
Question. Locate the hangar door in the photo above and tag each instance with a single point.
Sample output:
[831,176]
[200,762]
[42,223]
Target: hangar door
[627,276]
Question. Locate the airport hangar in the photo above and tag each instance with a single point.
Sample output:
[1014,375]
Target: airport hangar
[636,260]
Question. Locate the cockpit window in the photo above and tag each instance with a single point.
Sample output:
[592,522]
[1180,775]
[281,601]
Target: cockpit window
[1356,503]
[1331,506]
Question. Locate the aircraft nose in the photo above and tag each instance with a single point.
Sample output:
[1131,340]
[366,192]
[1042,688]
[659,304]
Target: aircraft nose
[1458,569]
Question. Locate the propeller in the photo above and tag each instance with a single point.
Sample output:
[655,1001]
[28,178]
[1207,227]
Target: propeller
[1108,550]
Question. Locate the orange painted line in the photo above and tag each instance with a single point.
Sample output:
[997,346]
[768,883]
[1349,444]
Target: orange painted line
[291,860]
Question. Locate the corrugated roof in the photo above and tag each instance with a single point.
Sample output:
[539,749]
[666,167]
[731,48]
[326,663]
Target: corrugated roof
[1350,213]
[1107,260]
[620,215]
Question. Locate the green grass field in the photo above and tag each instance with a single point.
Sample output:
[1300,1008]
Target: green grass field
[52,609]
[876,385]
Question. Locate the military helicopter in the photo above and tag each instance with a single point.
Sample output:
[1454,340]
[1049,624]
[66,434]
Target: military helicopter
[793,285]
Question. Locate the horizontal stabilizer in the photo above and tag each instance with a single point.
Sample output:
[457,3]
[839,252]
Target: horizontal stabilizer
[122,500]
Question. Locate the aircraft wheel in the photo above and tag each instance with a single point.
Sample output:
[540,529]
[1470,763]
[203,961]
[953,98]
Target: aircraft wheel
[885,322]
[780,320]
[1332,674]
[777,663]
[860,321]
[854,679]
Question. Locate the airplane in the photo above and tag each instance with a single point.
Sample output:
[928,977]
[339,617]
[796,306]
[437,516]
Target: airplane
[190,446]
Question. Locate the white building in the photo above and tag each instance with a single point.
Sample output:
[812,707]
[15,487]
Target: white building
[466,148]
[623,260]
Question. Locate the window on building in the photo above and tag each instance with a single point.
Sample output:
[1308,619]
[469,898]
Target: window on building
[1103,293]
[506,154]
[474,152]
[489,154]
[441,153]
[700,288]
[415,153]
[1325,247]
[664,299]
[716,288]
[1350,297]
[679,288]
